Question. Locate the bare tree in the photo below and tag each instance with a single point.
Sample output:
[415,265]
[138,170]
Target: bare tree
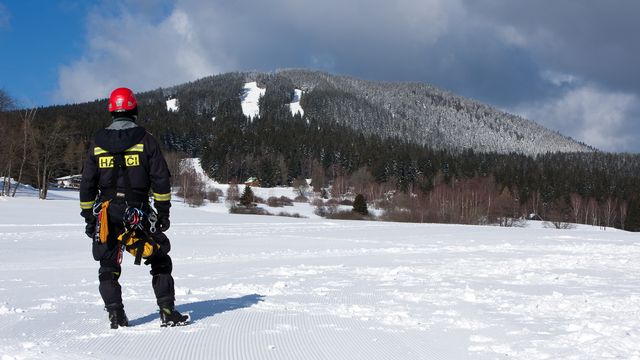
[7,157]
[609,211]
[591,213]
[6,101]
[624,209]
[192,187]
[318,178]
[233,194]
[300,186]
[360,180]
[576,206]
[47,154]
[27,118]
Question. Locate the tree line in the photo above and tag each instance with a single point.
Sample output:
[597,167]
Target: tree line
[412,182]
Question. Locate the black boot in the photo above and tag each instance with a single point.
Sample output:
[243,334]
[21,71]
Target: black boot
[171,317]
[118,318]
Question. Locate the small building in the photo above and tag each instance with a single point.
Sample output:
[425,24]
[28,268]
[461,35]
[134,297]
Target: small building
[253,182]
[69,182]
[534,217]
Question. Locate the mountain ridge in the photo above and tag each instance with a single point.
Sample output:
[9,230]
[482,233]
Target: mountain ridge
[428,115]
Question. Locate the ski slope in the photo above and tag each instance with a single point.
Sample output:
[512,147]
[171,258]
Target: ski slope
[295,106]
[250,99]
[265,287]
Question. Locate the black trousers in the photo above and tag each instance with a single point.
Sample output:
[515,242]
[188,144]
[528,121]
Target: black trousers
[108,255]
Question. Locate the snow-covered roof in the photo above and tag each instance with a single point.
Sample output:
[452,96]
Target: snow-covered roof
[69,177]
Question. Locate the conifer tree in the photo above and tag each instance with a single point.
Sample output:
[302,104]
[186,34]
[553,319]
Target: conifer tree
[246,199]
[360,205]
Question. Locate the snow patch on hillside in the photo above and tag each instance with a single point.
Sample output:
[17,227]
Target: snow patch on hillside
[172,105]
[250,98]
[295,106]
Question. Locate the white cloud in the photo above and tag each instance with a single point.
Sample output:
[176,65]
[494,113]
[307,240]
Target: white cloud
[589,114]
[5,18]
[558,78]
[199,38]
[133,52]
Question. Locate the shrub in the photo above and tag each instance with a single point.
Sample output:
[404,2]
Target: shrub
[325,211]
[214,195]
[286,214]
[346,202]
[397,215]
[346,215]
[333,202]
[279,202]
[248,210]
[561,225]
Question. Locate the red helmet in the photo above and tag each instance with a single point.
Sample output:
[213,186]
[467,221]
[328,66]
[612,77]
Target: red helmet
[122,99]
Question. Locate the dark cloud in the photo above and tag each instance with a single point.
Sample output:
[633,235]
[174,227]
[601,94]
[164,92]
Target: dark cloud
[592,38]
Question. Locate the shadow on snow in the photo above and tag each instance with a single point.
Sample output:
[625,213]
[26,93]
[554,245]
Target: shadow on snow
[202,309]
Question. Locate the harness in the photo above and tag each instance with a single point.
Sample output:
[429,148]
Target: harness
[135,239]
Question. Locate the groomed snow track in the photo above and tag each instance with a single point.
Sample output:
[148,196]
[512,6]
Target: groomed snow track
[280,288]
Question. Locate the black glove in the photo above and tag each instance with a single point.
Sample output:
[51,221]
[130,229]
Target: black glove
[90,229]
[163,223]
[90,220]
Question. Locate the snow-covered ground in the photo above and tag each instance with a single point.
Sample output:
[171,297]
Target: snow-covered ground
[250,97]
[265,287]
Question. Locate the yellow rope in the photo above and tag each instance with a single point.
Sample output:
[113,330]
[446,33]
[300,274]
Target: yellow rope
[104,222]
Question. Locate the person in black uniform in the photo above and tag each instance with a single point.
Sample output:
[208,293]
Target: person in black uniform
[123,164]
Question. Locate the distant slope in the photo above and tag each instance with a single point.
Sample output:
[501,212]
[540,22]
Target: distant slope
[424,115]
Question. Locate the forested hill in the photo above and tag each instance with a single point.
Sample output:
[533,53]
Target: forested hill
[417,113]
[424,115]
[413,112]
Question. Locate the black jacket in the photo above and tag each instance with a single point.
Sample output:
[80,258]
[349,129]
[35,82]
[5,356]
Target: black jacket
[146,168]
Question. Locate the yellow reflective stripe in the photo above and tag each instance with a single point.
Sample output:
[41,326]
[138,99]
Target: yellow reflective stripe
[161,197]
[136,148]
[84,205]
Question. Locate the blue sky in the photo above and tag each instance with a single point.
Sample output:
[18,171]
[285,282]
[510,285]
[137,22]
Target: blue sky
[36,37]
[569,65]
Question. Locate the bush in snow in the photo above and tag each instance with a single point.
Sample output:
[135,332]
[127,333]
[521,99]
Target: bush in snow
[214,195]
[248,210]
[279,201]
